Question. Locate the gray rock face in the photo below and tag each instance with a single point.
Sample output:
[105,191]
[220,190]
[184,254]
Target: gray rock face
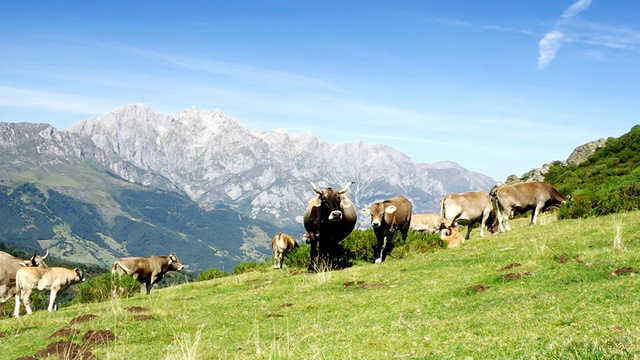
[211,158]
[582,152]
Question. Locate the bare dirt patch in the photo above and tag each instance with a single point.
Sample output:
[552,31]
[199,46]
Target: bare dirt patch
[479,288]
[361,284]
[97,337]
[27,358]
[136,309]
[82,318]
[511,266]
[143,317]
[562,260]
[3,334]
[66,350]
[64,332]
[287,304]
[623,271]
[512,276]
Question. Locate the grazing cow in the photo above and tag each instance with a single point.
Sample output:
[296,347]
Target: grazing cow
[536,196]
[451,236]
[147,270]
[9,265]
[469,208]
[56,279]
[282,244]
[328,219]
[430,223]
[387,218]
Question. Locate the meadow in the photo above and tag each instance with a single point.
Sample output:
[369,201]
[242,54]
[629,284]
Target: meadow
[563,289]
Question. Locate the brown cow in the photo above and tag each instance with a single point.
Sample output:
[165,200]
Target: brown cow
[469,208]
[430,223]
[9,265]
[387,218]
[147,270]
[282,244]
[329,218]
[56,279]
[536,196]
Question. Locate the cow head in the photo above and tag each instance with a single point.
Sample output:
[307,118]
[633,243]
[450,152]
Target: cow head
[378,211]
[174,262]
[36,261]
[79,275]
[330,202]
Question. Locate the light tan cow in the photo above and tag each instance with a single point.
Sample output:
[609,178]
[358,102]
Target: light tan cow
[470,208]
[9,265]
[451,236]
[282,244]
[536,196]
[147,270]
[389,217]
[56,279]
[430,223]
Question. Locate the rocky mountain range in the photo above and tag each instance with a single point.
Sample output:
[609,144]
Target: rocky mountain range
[212,159]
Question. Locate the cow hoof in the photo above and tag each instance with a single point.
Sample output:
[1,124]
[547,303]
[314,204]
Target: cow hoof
[378,261]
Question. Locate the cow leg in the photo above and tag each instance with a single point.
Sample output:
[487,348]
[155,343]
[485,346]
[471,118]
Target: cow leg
[468,235]
[52,299]
[535,212]
[313,253]
[25,299]
[149,285]
[16,308]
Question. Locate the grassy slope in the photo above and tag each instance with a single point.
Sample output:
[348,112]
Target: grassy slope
[421,306]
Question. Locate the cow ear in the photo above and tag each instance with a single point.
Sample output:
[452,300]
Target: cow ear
[315,202]
[390,209]
[78,271]
[345,204]
[365,212]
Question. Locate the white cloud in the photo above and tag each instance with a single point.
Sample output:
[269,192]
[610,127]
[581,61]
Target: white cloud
[576,8]
[549,46]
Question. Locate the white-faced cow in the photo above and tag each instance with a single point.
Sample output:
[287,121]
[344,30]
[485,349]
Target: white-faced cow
[389,217]
[56,279]
[9,265]
[429,223]
[328,219]
[282,244]
[536,196]
[469,208]
[147,270]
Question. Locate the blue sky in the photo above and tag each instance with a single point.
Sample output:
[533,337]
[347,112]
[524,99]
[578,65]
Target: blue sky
[498,86]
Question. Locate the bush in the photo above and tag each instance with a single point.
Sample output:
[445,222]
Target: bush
[299,257]
[249,267]
[212,273]
[104,287]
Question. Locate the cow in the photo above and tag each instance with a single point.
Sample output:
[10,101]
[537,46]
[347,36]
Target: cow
[56,279]
[537,196]
[9,265]
[282,244]
[469,208]
[451,236]
[329,218]
[430,223]
[389,217]
[147,270]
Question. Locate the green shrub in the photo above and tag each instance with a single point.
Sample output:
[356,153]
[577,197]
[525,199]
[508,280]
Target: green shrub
[249,267]
[104,287]
[299,257]
[212,273]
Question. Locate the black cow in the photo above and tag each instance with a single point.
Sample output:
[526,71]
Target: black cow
[329,218]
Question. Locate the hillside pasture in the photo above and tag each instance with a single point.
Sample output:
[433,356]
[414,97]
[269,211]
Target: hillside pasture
[557,290]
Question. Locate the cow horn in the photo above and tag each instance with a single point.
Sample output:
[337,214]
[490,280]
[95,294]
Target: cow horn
[346,187]
[45,255]
[315,188]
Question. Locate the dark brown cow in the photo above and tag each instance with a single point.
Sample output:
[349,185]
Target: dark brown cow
[282,244]
[536,196]
[430,223]
[56,279]
[9,265]
[469,208]
[387,218]
[147,270]
[329,218]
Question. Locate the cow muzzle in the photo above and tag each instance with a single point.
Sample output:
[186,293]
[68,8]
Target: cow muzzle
[375,224]
[336,215]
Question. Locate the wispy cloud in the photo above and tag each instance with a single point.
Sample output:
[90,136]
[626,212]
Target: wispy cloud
[551,42]
[548,47]
[20,97]
[576,8]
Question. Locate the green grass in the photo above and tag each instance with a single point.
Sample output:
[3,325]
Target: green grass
[538,292]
